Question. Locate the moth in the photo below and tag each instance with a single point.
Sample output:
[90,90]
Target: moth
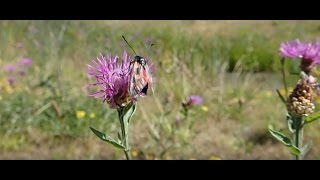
[140,77]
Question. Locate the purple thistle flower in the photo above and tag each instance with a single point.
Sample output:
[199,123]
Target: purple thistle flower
[195,100]
[11,80]
[25,62]
[112,79]
[149,40]
[293,49]
[10,68]
[192,100]
[308,53]
[22,73]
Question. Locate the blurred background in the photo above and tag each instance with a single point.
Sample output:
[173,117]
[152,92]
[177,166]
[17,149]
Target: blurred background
[234,66]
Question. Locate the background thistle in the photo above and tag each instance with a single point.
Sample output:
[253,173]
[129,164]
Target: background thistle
[300,103]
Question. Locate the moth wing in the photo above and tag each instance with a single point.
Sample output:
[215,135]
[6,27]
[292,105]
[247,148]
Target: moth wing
[137,81]
[132,81]
[140,80]
[148,78]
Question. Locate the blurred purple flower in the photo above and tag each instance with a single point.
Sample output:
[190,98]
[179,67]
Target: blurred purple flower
[33,29]
[149,40]
[195,100]
[25,62]
[112,78]
[11,80]
[192,100]
[308,53]
[22,73]
[19,45]
[10,68]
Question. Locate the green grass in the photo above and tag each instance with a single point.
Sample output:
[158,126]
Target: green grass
[233,65]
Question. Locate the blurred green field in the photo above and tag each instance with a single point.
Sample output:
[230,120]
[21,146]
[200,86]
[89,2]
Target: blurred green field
[233,65]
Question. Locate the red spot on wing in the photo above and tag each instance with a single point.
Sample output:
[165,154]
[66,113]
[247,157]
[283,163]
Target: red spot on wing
[145,75]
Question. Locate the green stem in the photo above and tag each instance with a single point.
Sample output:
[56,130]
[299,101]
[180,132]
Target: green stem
[124,133]
[297,137]
[284,76]
[128,154]
[186,114]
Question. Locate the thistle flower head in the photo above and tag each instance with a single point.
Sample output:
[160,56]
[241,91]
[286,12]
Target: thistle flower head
[192,100]
[149,40]
[309,53]
[300,102]
[10,68]
[293,49]
[11,80]
[25,62]
[195,100]
[112,78]
[22,73]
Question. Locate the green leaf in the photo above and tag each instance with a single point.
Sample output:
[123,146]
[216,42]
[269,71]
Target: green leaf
[312,117]
[42,109]
[306,149]
[128,112]
[119,136]
[281,97]
[294,150]
[285,140]
[289,117]
[290,123]
[154,136]
[107,138]
[279,136]
[295,73]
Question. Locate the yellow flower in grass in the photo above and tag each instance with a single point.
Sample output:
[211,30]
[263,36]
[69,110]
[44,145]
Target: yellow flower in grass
[92,115]
[134,153]
[269,93]
[214,158]
[168,157]
[150,157]
[205,108]
[80,114]
[9,89]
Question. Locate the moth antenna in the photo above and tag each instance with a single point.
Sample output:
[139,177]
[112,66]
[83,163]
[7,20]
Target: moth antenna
[129,45]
